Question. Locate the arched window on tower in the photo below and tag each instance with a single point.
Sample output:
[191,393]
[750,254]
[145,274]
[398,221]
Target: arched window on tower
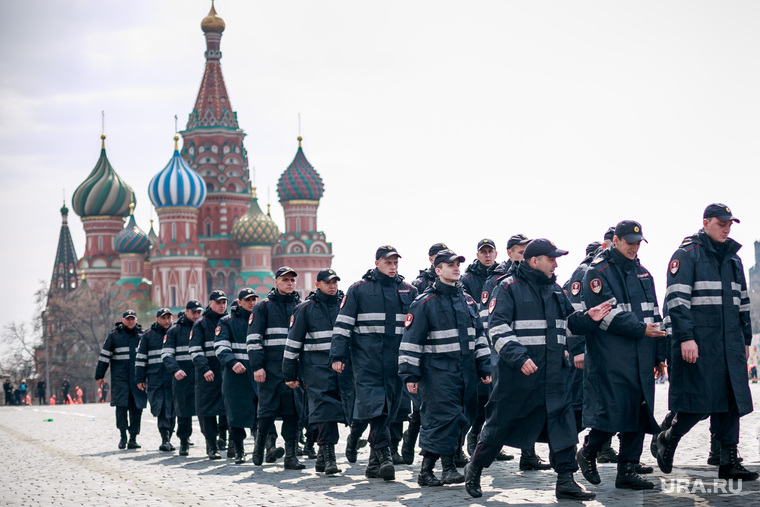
[220,281]
[231,286]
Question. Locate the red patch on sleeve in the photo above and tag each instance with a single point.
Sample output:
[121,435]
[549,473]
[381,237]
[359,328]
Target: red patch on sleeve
[484,297]
[217,330]
[408,320]
[250,319]
[674,266]
[575,288]
[292,318]
[343,301]
[596,285]
[491,306]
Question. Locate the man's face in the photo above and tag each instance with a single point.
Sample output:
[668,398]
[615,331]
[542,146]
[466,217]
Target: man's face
[193,315]
[248,303]
[219,306]
[717,230]
[165,321]
[448,272]
[487,256]
[129,322]
[544,264]
[629,250]
[388,266]
[286,284]
[330,288]
[516,253]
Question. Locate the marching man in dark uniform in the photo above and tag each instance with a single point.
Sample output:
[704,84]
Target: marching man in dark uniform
[307,355]
[238,386]
[149,369]
[624,356]
[444,355]
[532,394]
[427,275]
[267,335]
[119,352]
[708,307]
[175,355]
[369,329]
[208,373]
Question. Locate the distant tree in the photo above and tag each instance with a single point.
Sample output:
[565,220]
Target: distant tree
[19,340]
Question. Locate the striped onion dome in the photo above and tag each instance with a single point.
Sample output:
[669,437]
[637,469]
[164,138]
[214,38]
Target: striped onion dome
[255,228]
[176,184]
[300,181]
[103,193]
[131,239]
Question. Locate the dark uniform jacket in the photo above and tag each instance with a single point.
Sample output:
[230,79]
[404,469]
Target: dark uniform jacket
[119,352]
[208,395]
[307,356]
[528,320]
[368,330]
[496,274]
[266,339]
[445,350]
[620,359]
[474,277]
[238,389]
[424,279]
[175,355]
[707,301]
[149,367]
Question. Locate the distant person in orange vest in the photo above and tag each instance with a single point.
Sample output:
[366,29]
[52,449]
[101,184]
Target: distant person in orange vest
[80,393]
[52,400]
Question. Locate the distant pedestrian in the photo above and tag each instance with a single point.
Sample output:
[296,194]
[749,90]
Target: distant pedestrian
[65,385]
[8,388]
[41,391]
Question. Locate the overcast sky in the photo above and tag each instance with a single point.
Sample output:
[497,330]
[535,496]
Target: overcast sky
[428,120]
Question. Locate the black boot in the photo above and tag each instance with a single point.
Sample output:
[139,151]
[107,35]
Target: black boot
[450,474]
[258,449]
[123,440]
[472,480]
[169,439]
[714,457]
[642,469]
[184,447]
[395,456]
[567,488]
[239,451]
[373,466]
[273,453]
[731,468]
[587,463]
[627,478]
[319,464]
[472,441]
[331,467]
[212,451]
[502,456]
[460,458]
[426,476]
[386,471]
[607,454]
[409,441]
[165,445]
[291,460]
[529,460]
[132,444]
[221,441]
[231,452]
[308,448]
[351,448]
[663,448]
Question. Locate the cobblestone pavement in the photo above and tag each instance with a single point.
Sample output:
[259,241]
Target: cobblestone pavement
[73,460]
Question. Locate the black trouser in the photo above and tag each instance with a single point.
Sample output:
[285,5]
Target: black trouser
[396,430]
[237,434]
[41,397]
[631,443]
[379,432]
[289,426]
[724,426]
[578,420]
[135,415]
[163,422]
[210,427]
[184,427]
[480,416]
[327,433]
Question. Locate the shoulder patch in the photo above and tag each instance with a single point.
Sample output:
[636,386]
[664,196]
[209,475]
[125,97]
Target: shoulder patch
[250,319]
[343,301]
[575,288]
[292,318]
[597,260]
[468,299]
[596,285]
[491,306]
[674,265]
[164,339]
[217,330]
[191,335]
[484,297]
[643,275]
[408,320]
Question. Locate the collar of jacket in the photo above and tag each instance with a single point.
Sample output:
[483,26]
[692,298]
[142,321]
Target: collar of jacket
[320,296]
[275,295]
[158,327]
[239,311]
[613,255]
[183,320]
[122,327]
[375,274]
[477,268]
[729,247]
[445,289]
[534,276]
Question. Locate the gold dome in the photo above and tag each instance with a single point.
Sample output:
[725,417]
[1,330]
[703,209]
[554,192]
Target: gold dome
[212,22]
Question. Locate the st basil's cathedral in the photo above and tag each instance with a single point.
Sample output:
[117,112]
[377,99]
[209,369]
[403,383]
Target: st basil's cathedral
[213,233]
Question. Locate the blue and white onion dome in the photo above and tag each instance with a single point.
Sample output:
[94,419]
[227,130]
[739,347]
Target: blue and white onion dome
[176,185]
[131,239]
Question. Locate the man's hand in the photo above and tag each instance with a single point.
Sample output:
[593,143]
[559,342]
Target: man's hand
[260,376]
[689,351]
[180,374]
[100,382]
[238,368]
[338,366]
[141,386]
[659,371]
[486,379]
[411,387]
[653,331]
[529,367]
[599,312]
[292,384]
[578,360]
[209,376]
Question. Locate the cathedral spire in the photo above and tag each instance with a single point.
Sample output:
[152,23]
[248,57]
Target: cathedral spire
[64,279]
